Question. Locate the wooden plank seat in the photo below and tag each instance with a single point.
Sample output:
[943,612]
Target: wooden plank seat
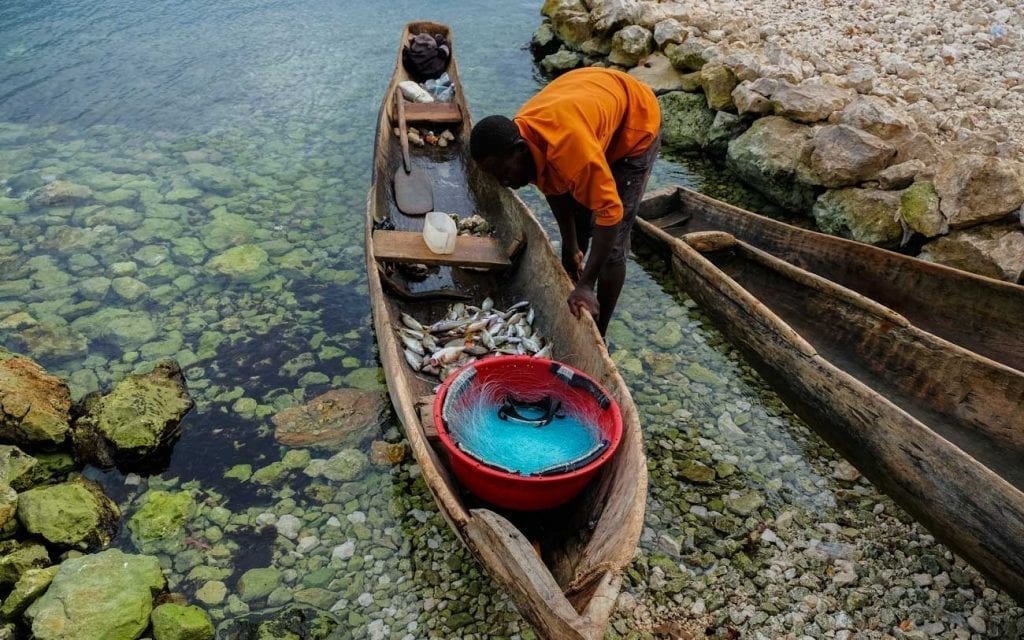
[434,112]
[409,247]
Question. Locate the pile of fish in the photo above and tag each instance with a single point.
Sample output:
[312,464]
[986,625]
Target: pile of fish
[468,333]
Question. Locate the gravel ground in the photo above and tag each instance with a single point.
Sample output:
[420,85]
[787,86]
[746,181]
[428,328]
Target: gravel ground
[959,64]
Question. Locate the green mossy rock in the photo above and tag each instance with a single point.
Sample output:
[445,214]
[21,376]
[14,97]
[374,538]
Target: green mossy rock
[135,420]
[16,467]
[258,583]
[919,205]
[766,156]
[669,335]
[864,215]
[159,524]
[686,120]
[226,230]
[26,590]
[105,596]
[209,177]
[179,622]
[127,329]
[72,514]
[16,558]
[245,263]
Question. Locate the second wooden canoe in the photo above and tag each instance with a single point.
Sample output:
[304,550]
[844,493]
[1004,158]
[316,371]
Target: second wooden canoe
[938,427]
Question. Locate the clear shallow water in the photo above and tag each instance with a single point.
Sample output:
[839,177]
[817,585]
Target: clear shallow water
[200,127]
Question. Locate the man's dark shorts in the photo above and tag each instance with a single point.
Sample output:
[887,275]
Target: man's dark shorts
[631,176]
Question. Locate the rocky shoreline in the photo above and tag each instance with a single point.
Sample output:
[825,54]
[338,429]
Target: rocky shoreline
[824,136]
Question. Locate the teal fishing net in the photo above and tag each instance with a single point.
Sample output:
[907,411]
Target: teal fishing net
[529,433]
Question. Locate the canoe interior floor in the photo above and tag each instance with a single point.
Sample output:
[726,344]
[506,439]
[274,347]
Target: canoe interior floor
[854,354]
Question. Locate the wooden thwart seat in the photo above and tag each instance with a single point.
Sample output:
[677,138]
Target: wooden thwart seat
[435,112]
[409,247]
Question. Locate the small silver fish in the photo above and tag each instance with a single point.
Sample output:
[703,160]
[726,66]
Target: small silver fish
[429,343]
[445,356]
[447,325]
[522,304]
[411,322]
[413,345]
[414,360]
[530,345]
[544,353]
[530,315]
[487,304]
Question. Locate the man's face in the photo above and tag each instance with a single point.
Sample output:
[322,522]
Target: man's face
[511,170]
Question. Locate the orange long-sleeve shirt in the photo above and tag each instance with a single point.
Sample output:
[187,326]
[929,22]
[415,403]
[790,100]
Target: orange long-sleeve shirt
[580,124]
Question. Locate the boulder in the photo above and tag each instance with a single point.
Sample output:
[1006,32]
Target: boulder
[8,505]
[919,210]
[864,215]
[179,622]
[718,82]
[725,128]
[918,146]
[669,31]
[561,61]
[596,47]
[258,583]
[766,156]
[214,178]
[61,193]
[809,102]
[337,419]
[159,524]
[685,120]
[688,56]
[27,589]
[105,596]
[16,467]
[127,329]
[608,16]
[572,28]
[653,13]
[993,250]
[974,189]
[630,45]
[842,156]
[226,230]
[387,453]
[136,420]
[876,116]
[899,176]
[544,41]
[34,405]
[16,558]
[74,514]
[658,73]
[746,100]
[551,7]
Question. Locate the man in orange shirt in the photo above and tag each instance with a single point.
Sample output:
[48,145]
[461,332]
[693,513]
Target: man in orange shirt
[588,141]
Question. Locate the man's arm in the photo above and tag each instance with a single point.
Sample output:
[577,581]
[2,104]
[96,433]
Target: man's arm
[594,187]
[563,207]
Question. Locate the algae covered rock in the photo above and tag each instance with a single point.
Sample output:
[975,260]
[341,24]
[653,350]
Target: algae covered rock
[18,557]
[718,82]
[245,263]
[71,514]
[31,585]
[8,504]
[178,622]
[630,45]
[864,215]
[16,467]
[34,405]
[61,192]
[159,524]
[136,420]
[686,120]
[767,155]
[336,419]
[104,596]
[258,583]
[128,329]
[919,206]
[289,623]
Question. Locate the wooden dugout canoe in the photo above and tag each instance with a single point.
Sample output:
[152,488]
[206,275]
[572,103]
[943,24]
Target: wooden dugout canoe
[937,426]
[567,590]
[983,315]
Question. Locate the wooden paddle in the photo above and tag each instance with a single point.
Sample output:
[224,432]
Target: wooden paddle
[413,193]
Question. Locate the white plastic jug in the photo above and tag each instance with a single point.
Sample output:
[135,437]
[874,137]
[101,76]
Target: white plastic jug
[439,232]
[414,92]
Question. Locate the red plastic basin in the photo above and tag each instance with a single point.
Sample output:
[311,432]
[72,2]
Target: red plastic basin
[516,375]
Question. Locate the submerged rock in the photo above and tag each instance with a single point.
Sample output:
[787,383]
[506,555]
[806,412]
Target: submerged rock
[245,263]
[72,514]
[292,622]
[104,596]
[34,405]
[178,622]
[258,583]
[336,419]
[135,420]
[159,524]
[61,192]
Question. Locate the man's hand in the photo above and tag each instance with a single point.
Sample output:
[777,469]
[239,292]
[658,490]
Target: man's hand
[573,265]
[582,299]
